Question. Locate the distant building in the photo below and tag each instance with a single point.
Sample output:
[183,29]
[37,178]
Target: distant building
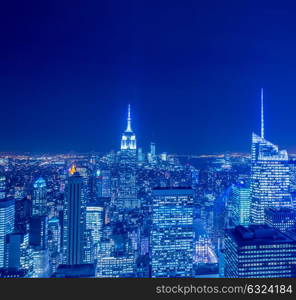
[39,207]
[103,183]
[127,192]
[172,232]
[259,251]
[140,155]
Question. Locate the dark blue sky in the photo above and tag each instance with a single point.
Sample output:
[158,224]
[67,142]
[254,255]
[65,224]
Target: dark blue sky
[192,71]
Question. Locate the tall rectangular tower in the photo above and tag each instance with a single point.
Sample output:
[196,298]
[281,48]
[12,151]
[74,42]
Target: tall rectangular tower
[74,221]
[270,175]
[172,232]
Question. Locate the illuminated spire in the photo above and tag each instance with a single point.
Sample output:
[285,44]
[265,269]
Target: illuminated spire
[262,115]
[72,170]
[129,120]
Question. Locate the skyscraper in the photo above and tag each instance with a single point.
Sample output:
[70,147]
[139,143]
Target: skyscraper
[128,139]
[94,221]
[18,252]
[103,183]
[39,198]
[74,229]
[39,232]
[7,210]
[270,177]
[240,201]
[259,251]
[172,232]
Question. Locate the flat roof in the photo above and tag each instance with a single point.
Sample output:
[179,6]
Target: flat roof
[258,235]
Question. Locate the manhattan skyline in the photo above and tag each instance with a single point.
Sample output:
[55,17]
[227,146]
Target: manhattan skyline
[192,74]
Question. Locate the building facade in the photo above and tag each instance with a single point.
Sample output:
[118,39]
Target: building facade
[172,232]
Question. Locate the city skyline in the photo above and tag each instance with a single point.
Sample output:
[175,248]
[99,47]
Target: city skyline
[67,74]
[129,131]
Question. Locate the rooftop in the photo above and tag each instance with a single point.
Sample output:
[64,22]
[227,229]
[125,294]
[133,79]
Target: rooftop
[258,235]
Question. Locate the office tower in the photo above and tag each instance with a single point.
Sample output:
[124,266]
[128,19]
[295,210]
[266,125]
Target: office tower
[39,232]
[18,252]
[128,139]
[270,177]
[2,187]
[75,271]
[54,244]
[40,263]
[74,223]
[7,211]
[283,219]
[94,221]
[239,204]
[259,251]
[23,209]
[39,206]
[116,266]
[172,232]
[103,183]
[54,235]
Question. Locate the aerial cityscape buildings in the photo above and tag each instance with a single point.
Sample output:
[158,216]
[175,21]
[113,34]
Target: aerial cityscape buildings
[136,213]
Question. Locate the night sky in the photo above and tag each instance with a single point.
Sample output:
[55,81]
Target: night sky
[192,71]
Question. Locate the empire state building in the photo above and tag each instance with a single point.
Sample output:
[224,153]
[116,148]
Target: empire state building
[128,139]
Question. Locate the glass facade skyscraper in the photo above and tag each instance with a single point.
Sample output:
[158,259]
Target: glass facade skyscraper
[270,178]
[172,232]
